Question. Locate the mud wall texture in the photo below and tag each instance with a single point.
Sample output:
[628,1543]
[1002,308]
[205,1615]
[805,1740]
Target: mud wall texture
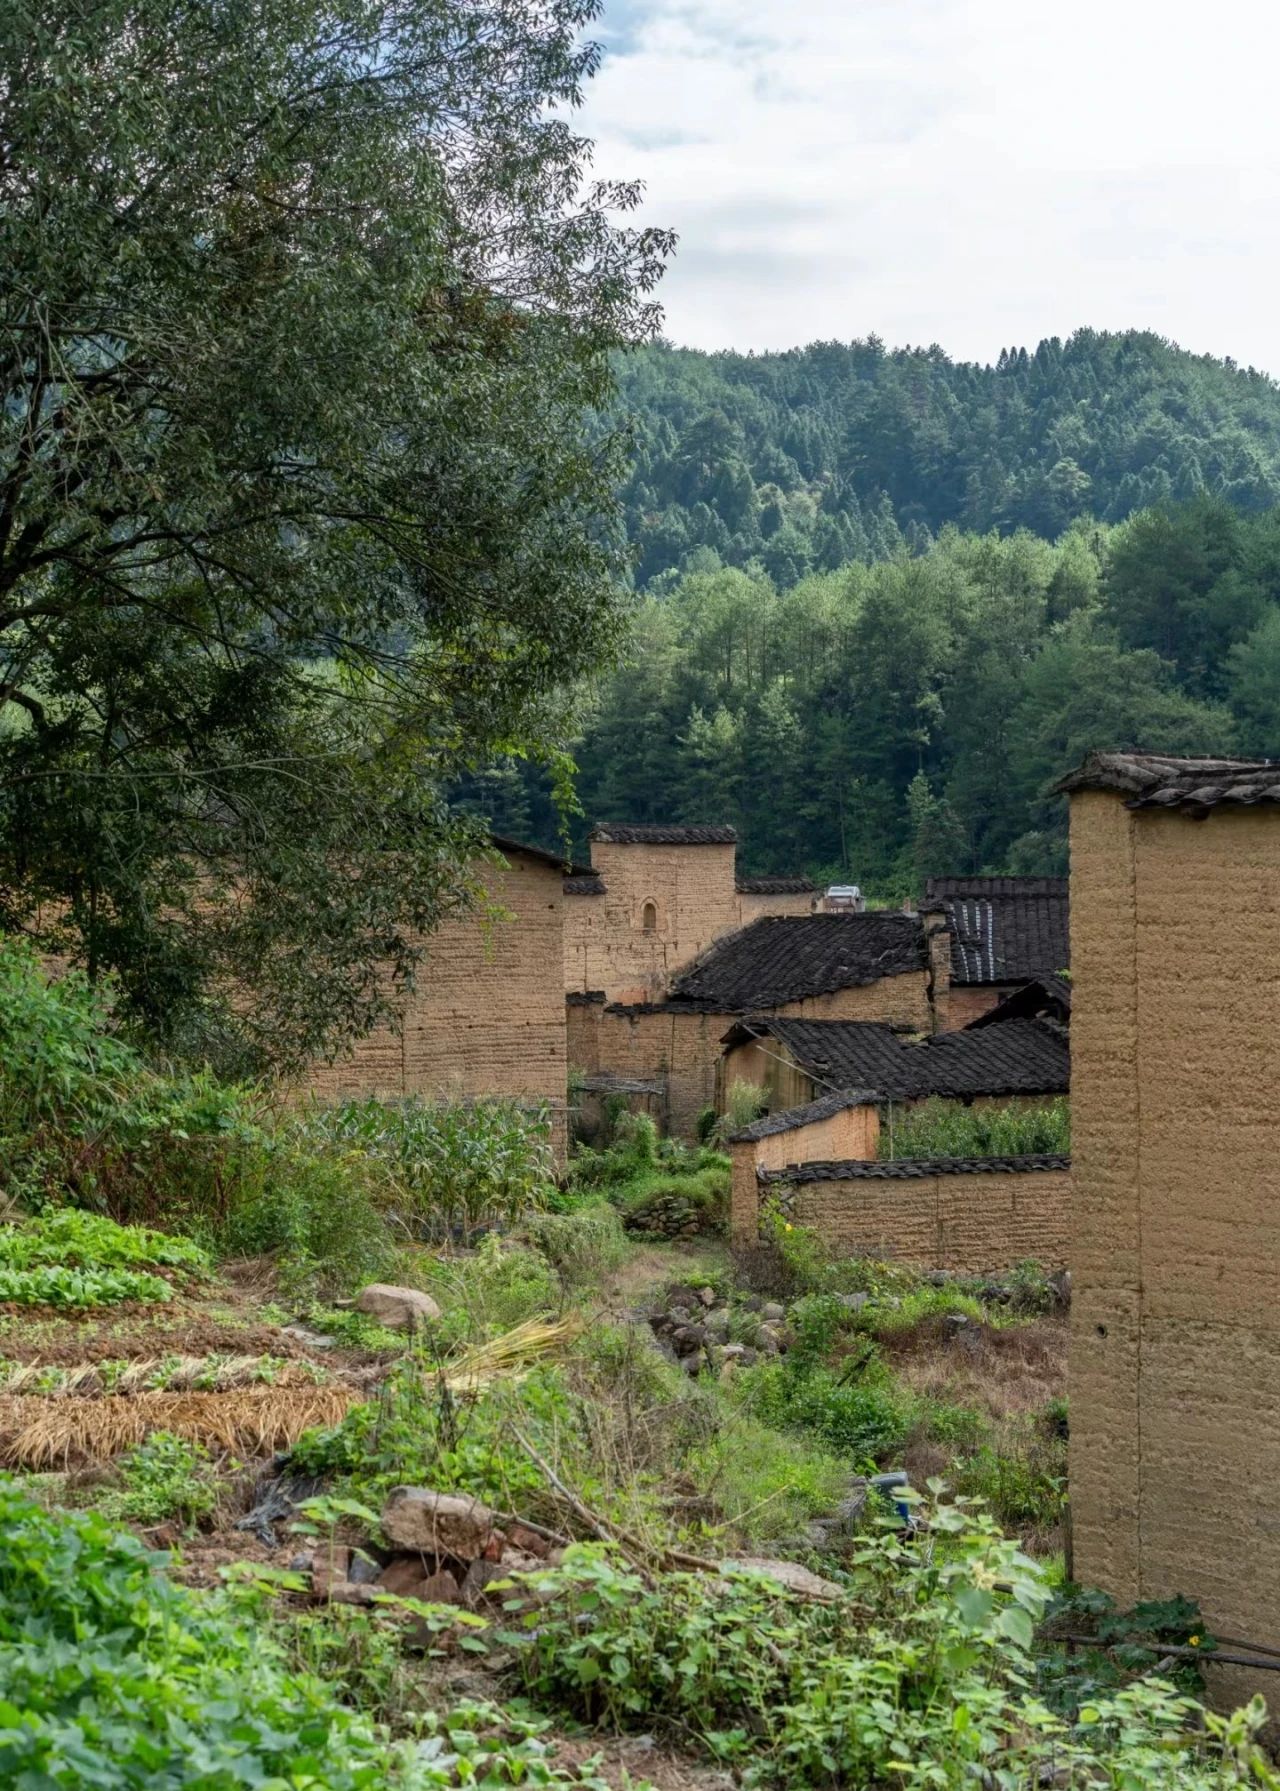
[853,1133]
[1175,1357]
[969,1001]
[685,1048]
[685,893]
[970,1223]
[488,1014]
[755,905]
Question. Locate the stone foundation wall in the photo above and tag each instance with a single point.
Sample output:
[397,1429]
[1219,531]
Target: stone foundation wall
[984,1216]
[1175,1355]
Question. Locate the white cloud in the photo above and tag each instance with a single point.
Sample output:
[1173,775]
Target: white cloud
[971,172]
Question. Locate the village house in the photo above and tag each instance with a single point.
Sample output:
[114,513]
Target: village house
[823,966]
[487,1015]
[652,899]
[1175,1353]
[1004,932]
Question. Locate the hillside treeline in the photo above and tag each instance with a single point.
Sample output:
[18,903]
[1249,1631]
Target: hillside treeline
[803,461]
[883,721]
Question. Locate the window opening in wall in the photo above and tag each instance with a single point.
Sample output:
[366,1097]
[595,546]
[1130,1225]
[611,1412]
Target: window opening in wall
[649,917]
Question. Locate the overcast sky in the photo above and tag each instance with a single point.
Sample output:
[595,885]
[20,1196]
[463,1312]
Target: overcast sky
[970,172]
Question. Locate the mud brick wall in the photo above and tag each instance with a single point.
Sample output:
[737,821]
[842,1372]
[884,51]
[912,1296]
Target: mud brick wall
[967,1222]
[685,1048]
[753,905]
[969,1001]
[853,1133]
[488,1014]
[695,900]
[1175,1355]
[582,1031]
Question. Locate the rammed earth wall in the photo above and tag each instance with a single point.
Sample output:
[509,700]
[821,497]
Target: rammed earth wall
[1175,1364]
[966,1216]
[488,1015]
[683,1047]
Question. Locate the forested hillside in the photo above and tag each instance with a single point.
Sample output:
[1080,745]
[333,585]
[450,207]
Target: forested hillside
[908,716]
[834,452]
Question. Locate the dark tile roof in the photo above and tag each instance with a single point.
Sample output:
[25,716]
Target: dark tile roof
[793,1118]
[1020,1057]
[840,1053]
[938,890]
[624,833]
[776,886]
[905,1168]
[1042,998]
[788,957]
[607,1082]
[1149,780]
[508,846]
[1004,929]
[584,883]
[584,997]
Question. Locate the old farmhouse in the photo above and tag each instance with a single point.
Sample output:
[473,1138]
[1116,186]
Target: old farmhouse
[1175,1363]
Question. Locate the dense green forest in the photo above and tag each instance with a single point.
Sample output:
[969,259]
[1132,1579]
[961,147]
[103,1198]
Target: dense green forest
[908,716]
[886,599]
[836,452]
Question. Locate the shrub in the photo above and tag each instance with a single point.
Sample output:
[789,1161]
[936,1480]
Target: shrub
[919,1678]
[744,1102]
[582,1244]
[165,1477]
[494,1288]
[861,1412]
[765,1484]
[115,1677]
[449,1168]
[939,1128]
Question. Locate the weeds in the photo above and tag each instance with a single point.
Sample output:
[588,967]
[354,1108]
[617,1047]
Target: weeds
[941,1128]
[165,1477]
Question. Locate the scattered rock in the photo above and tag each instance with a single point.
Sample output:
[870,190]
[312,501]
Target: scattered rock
[480,1575]
[399,1308]
[312,1339]
[528,1541]
[440,1588]
[707,1295]
[1060,1282]
[433,1523]
[347,1593]
[689,1337]
[773,1312]
[691,1364]
[330,1568]
[495,1545]
[787,1573]
[404,1577]
[734,1352]
[364,1569]
[303,1562]
[853,1302]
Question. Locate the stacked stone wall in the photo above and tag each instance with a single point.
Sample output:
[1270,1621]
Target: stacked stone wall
[1175,1360]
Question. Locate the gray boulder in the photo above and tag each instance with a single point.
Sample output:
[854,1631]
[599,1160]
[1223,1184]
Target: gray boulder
[399,1308]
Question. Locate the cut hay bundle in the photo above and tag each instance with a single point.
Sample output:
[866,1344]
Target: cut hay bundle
[63,1431]
[511,1355]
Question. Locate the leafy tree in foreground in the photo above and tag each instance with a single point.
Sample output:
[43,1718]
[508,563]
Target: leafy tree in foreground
[301,304]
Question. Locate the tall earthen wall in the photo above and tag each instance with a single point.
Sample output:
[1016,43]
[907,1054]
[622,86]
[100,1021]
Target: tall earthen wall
[693,901]
[1175,1360]
[759,905]
[488,1015]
